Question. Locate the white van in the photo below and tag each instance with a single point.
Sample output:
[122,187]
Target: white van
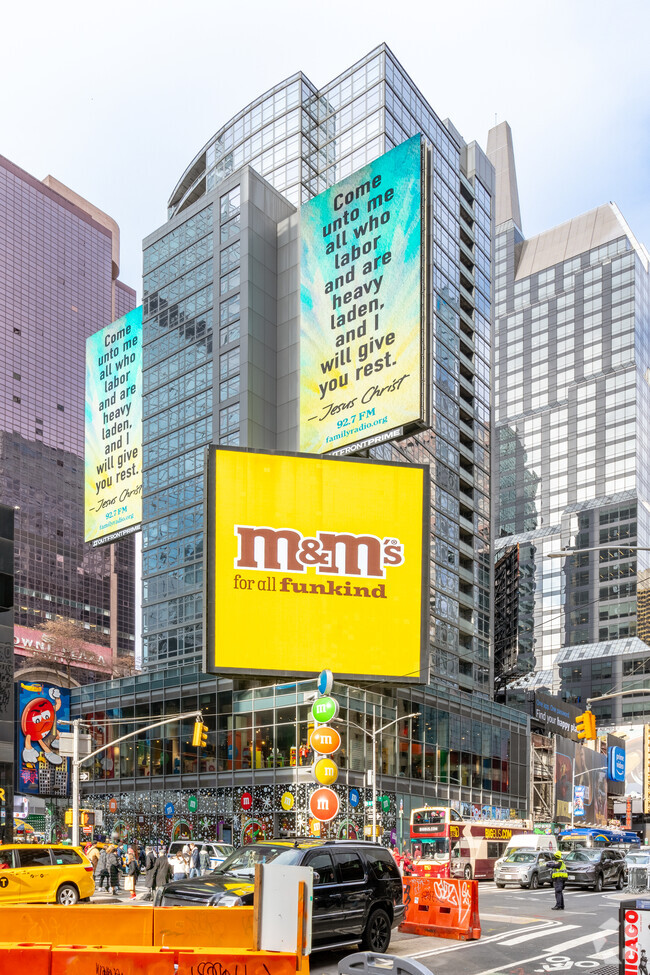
[531,841]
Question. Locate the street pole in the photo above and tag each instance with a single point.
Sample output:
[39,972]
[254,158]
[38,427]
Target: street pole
[75,782]
[374,785]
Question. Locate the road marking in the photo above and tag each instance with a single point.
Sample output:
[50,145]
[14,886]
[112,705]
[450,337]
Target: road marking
[550,926]
[524,961]
[607,953]
[508,917]
[538,934]
[596,936]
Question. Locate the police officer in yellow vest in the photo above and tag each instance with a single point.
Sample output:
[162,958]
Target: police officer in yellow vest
[559,876]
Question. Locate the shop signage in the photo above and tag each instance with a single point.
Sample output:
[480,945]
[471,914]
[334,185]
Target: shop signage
[325,681]
[192,803]
[326,771]
[246,801]
[616,764]
[323,804]
[287,801]
[112,806]
[325,709]
[325,740]
[354,798]
[169,810]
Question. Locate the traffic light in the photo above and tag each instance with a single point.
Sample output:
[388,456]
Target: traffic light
[200,736]
[86,817]
[586,725]
[68,817]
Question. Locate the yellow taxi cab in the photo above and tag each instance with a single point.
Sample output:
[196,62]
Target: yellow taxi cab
[44,873]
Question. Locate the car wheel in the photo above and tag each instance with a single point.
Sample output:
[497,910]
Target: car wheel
[620,883]
[501,886]
[534,882]
[599,883]
[67,894]
[467,873]
[376,937]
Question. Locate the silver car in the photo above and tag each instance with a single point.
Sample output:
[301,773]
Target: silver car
[528,868]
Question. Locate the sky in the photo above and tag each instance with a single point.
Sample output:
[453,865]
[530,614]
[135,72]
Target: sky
[116,99]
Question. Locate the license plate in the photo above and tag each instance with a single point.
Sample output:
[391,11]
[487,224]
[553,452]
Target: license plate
[571,876]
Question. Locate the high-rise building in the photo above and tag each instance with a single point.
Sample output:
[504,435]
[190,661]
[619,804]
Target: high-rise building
[59,262]
[570,451]
[221,335]
[7,730]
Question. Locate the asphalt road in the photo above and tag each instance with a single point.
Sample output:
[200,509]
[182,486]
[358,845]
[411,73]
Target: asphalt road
[520,935]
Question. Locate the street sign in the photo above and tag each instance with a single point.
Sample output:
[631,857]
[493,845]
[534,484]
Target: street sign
[66,746]
[84,776]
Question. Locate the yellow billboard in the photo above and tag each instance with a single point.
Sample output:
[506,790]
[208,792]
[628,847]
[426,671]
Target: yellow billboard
[316,562]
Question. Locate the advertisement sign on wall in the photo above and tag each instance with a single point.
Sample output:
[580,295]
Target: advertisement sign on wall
[113,463]
[361,344]
[40,770]
[311,559]
[578,766]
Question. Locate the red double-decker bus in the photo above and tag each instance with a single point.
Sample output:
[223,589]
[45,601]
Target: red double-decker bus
[443,844]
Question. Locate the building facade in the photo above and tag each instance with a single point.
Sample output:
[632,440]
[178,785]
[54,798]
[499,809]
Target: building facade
[570,448]
[221,365]
[6,673]
[58,283]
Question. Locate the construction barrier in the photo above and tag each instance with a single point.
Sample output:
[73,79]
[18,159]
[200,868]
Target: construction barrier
[109,959]
[27,957]
[109,923]
[198,960]
[185,927]
[443,908]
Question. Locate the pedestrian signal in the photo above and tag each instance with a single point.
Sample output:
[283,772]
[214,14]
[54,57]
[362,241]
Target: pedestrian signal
[586,725]
[200,736]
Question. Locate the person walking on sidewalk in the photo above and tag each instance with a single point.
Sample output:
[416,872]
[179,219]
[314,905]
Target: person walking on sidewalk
[112,863]
[149,874]
[163,870]
[101,871]
[132,874]
[195,870]
[559,877]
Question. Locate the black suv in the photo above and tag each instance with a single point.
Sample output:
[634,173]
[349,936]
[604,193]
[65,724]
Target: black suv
[357,888]
[595,867]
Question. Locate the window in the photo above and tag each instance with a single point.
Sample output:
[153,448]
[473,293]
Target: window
[323,866]
[350,867]
[62,854]
[35,858]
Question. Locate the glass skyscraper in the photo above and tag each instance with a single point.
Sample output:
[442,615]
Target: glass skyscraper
[221,365]
[59,260]
[571,447]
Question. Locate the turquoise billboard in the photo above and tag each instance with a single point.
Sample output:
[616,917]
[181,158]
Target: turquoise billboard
[361,355]
[113,460]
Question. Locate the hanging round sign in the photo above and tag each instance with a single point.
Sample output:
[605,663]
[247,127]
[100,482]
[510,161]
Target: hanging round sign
[325,681]
[192,803]
[323,804]
[324,709]
[354,798]
[112,805]
[169,810]
[286,801]
[325,740]
[246,801]
[326,771]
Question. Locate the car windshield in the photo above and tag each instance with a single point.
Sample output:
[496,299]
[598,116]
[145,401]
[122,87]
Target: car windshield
[520,858]
[242,862]
[583,856]
[638,858]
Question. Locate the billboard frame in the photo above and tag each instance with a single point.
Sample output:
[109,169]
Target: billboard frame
[209,513]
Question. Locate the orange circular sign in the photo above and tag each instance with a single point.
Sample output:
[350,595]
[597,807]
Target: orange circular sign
[112,806]
[325,740]
[323,804]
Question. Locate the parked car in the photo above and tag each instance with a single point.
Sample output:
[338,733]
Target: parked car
[217,852]
[40,873]
[528,868]
[357,897]
[595,867]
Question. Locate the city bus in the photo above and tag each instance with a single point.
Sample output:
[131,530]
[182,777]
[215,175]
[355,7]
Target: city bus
[597,837]
[443,844]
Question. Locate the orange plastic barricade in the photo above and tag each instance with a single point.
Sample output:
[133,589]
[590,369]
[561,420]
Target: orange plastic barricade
[107,960]
[186,927]
[444,908]
[226,962]
[26,957]
[60,925]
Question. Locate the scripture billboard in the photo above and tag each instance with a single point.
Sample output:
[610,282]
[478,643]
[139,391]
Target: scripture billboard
[361,335]
[40,770]
[315,562]
[114,430]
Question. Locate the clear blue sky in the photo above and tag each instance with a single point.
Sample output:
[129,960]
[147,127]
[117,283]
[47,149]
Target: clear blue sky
[115,100]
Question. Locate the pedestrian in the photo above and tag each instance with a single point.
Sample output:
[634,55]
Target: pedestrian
[558,876]
[180,864]
[163,870]
[93,856]
[132,873]
[150,873]
[204,860]
[101,870]
[194,861]
[113,865]
[397,857]
[407,865]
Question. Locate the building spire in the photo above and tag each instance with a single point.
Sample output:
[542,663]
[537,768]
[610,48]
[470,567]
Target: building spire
[501,154]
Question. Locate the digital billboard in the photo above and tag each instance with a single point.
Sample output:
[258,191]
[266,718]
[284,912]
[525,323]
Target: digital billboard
[113,493]
[361,334]
[581,775]
[316,562]
[40,770]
